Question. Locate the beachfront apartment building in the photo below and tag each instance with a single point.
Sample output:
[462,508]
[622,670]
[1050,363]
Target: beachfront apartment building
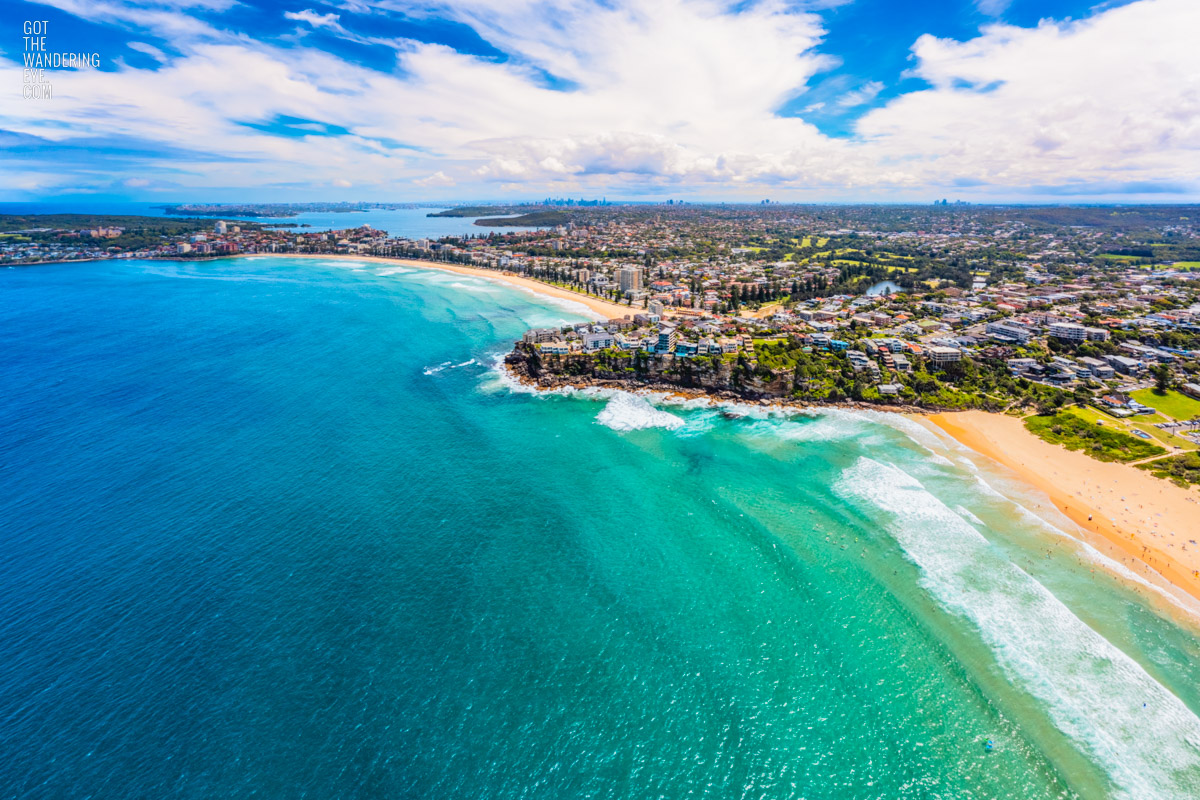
[1074,332]
[940,356]
[667,338]
[1008,331]
[630,279]
[598,341]
[539,335]
[1068,331]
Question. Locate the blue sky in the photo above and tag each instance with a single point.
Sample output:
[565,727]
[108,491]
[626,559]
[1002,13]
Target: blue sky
[838,100]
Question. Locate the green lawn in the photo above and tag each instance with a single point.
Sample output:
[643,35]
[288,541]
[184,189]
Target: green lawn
[1093,415]
[1143,423]
[1186,265]
[1174,404]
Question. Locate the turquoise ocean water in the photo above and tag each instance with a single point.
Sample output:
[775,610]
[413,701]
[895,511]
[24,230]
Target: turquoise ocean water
[279,528]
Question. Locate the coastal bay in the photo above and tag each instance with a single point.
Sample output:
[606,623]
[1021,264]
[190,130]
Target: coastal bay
[597,308]
[1144,522]
[296,503]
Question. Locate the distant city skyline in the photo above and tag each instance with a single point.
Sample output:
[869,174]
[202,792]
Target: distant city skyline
[824,101]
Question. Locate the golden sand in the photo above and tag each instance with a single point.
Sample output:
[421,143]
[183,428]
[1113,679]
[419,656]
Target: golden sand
[1149,524]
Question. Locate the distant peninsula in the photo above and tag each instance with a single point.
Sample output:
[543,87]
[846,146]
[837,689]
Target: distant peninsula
[537,216]
[276,209]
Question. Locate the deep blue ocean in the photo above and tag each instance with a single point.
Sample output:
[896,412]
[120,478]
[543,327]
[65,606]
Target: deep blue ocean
[273,528]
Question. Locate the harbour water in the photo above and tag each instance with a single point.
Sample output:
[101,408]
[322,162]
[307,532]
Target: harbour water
[281,528]
[410,223]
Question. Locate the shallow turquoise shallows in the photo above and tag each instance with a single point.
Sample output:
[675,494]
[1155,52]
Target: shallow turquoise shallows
[279,529]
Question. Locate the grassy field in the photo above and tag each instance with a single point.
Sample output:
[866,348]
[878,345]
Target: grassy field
[1116,257]
[1142,423]
[1186,265]
[1093,415]
[1100,442]
[1173,403]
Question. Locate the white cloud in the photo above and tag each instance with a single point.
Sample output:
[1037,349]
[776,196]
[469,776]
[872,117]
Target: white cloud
[438,178]
[663,92]
[1114,98]
[993,8]
[861,96]
[150,50]
[314,19]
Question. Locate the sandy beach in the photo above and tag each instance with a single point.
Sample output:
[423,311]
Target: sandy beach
[1147,523]
[602,309]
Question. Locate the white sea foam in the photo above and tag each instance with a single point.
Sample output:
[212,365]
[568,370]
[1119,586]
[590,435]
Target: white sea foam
[447,365]
[966,514]
[629,412]
[687,403]
[1145,738]
[1048,520]
[393,271]
[1174,596]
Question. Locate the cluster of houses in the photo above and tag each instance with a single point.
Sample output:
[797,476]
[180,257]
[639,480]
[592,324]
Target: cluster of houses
[628,335]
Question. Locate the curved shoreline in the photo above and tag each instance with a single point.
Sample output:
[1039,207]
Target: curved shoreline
[1144,522]
[602,309]
[1111,522]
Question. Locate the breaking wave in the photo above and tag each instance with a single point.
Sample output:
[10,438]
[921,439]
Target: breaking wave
[629,412]
[1144,737]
